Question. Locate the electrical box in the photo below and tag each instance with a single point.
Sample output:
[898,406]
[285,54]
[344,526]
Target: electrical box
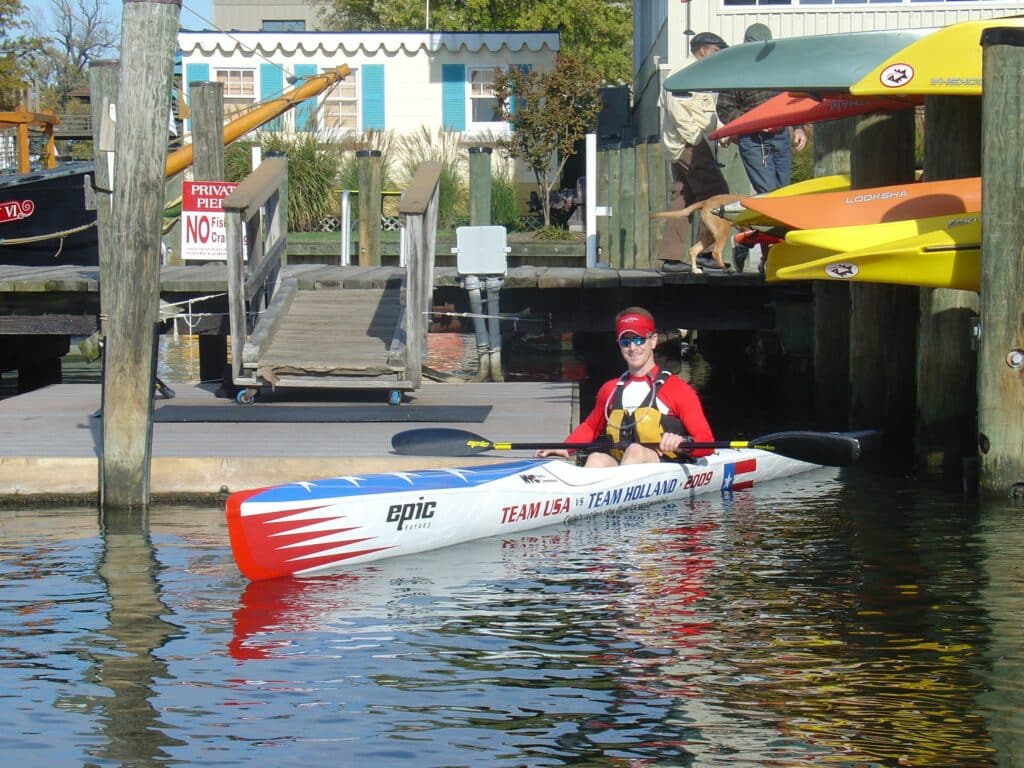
[481,250]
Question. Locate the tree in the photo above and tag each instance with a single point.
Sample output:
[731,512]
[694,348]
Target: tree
[14,53]
[598,31]
[549,112]
[82,33]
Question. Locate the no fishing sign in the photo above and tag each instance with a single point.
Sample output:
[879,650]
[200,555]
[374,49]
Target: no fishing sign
[203,234]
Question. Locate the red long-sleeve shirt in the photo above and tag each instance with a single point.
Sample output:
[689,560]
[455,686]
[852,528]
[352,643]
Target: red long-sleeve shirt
[675,398]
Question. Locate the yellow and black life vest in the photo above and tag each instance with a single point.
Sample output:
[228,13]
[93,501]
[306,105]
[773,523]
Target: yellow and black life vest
[644,424]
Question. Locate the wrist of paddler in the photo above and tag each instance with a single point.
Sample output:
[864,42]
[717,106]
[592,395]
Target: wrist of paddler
[672,443]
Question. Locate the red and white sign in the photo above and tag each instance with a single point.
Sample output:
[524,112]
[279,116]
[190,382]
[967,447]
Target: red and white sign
[15,210]
[202,220]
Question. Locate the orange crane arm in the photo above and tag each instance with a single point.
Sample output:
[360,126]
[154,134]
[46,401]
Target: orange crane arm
[181,158]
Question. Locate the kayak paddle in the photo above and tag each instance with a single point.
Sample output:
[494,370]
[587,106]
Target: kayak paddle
[832,449]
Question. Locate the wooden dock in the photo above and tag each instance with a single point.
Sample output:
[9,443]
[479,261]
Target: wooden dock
[50,438]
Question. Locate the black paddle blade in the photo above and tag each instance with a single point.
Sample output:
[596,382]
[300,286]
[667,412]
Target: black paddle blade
[439,441]
[832,449]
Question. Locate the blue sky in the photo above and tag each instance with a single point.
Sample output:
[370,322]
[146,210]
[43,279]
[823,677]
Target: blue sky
[43,10]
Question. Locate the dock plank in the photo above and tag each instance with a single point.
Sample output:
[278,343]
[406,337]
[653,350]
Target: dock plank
[335,332]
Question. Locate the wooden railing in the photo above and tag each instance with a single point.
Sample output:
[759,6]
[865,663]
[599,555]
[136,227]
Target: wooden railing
[257,207]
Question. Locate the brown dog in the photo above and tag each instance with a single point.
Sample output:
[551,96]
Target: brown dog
[715,230]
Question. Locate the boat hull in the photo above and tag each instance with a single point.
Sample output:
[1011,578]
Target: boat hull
[945,63]
[304,529]
[787,109]
[872,206]
[55,210]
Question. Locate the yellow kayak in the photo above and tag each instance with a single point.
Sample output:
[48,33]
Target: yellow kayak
[855,238]
[936,257]
[946,62]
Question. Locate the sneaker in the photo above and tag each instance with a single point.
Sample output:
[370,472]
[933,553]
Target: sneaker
[674,266]
[739,257]
[706,262]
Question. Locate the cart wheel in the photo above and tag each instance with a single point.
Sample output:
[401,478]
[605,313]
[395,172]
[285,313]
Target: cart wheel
[246,396]
[394,397]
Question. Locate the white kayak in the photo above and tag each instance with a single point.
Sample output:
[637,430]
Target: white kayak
[308,528]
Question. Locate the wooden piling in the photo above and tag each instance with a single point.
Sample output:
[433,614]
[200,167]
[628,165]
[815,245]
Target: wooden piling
[641,209]
[103,80]
[883,318]
[207,103]
[659,187]
[614,153]
[605,199]
[479,186]
[831,346]
[1001,348]
[368,170]
[149,35]
[947,360]
[627,194]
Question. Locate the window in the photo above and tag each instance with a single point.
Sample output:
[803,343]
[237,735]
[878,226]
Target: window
[283,25]
[483,106]
[239,90]
[341,103]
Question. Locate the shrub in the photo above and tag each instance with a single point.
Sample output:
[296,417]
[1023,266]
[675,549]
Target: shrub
[444,147]
[312,171]
[504,205]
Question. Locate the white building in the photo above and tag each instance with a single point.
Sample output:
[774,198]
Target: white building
[662,30]
[400,81]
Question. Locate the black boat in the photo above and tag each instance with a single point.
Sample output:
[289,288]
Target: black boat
[48,217]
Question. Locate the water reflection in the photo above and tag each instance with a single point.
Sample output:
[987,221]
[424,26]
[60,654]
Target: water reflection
[125,652]
[851,620]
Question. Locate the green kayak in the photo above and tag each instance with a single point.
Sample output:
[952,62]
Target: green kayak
[813,63]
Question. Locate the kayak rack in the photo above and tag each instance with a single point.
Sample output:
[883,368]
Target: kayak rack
[298,333]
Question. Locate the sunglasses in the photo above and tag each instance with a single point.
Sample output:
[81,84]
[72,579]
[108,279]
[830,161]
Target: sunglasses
[632,341]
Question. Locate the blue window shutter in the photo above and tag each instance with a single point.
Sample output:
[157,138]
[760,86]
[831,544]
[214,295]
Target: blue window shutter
[194,73]
[271,86]
[372,81]
[305,111]
[525,69]
[453,97]
[197,73]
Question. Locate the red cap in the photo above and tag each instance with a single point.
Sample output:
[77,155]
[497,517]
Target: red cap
[632,322]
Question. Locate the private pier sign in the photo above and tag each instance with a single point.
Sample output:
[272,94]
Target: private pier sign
[202,219]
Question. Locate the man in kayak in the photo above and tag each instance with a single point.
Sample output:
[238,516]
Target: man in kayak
[643,408]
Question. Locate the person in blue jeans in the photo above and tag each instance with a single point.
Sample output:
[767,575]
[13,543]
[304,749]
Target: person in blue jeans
[766,155]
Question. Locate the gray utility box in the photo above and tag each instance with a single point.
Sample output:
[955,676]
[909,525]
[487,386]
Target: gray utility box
[481,250]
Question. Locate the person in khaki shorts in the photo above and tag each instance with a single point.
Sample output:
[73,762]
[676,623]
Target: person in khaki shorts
[696,175]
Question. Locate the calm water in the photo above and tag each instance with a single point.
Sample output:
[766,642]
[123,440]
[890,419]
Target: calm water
[844,619]
[852,618]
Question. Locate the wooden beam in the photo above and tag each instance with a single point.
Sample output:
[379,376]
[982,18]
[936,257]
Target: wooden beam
[947,361]
[368,161]
[883,318]
[479,186]
[1001,349]
[148,32]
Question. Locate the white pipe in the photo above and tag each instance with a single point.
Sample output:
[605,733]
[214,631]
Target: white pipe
[346,228]
[590,211]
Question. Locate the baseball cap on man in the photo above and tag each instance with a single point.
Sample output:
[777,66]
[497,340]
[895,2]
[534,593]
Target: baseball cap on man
[634,322]
[706,38]
[757,33]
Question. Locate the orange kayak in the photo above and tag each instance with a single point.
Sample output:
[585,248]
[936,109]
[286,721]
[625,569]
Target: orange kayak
[788,109]
[875,205]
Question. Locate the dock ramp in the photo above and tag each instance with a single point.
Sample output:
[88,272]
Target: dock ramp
[298,333]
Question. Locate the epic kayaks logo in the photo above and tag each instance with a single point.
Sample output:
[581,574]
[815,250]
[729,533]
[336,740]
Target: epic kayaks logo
[896,75]
[15,210]
[416,514]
